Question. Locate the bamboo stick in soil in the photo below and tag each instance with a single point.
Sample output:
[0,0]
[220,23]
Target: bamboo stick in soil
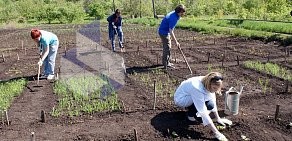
[7,118]
[2,117]
[154,103]
[32,136]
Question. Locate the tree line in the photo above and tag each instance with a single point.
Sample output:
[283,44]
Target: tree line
[68,11]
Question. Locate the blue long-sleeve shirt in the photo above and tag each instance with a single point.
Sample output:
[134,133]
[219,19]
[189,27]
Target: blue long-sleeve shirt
[168,22]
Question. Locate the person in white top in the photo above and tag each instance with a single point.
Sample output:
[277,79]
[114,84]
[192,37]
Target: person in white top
[198,96]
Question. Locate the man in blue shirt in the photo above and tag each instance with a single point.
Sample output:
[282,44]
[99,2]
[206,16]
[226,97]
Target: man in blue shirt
[165,31]
[115,27]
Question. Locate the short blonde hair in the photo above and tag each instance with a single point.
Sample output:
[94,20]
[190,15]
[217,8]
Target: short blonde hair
[213,78]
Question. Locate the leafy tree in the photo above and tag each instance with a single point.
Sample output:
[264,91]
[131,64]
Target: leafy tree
[99,9]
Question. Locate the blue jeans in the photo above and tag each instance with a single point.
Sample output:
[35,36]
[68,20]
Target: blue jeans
[112,33]
[192,110]
[49,62]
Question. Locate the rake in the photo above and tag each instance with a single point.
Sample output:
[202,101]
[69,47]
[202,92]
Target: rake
[185,59]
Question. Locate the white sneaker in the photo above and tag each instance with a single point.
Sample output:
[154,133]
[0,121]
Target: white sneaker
[42,76]
[50,77]
[191,118]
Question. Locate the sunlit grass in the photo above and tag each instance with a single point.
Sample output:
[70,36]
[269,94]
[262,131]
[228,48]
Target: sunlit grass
[269,68]
[84,95]
[9,90]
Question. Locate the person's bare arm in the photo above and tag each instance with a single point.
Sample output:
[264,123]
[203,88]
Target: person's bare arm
[45,53]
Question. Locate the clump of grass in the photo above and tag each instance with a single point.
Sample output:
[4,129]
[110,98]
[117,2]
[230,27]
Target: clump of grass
[9,90]
[84,95]
[264,84]
[269,68]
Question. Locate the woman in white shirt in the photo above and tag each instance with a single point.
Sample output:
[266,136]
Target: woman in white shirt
[198,95]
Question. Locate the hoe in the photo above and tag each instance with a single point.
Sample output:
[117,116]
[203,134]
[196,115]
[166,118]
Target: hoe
[185,60]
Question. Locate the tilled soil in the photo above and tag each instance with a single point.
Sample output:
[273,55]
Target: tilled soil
[137,120]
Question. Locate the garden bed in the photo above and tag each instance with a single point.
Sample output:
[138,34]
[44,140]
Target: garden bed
[137,119]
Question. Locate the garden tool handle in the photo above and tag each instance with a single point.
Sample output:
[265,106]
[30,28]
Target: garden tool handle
[39,70]
[185,59]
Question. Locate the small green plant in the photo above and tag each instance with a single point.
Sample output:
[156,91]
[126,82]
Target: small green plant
[9,90]
[264,84]
[84,95]
[269,68]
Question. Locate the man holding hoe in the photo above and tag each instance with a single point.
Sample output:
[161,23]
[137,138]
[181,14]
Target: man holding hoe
[115,27]
[165,32]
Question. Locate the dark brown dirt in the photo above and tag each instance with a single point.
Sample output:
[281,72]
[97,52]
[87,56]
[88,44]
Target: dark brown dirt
[257,107]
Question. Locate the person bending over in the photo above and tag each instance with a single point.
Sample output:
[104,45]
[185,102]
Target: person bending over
[48,44]
[198,96]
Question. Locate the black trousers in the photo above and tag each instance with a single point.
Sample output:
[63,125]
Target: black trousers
[192,110]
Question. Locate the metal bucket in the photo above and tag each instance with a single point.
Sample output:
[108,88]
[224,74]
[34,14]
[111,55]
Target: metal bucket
[232,101]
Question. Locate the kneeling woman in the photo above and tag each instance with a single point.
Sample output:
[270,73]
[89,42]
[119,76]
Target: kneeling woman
[198,95]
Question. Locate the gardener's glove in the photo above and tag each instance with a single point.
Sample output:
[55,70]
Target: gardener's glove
[220,137]
[114,25]
[40,63]
[224,121]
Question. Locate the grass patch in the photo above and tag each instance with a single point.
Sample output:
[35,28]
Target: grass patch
[84,95]
[9,90]
[263,30]
[269,68]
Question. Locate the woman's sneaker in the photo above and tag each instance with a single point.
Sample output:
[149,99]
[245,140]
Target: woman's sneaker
[50,77]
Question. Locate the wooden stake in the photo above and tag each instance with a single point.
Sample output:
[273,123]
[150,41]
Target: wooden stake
[3,56]
[57,76]
[154,103]
[43,116]
[223,57]
[65,50]
[175,57]
[25,51]
[214,41]
[277,111]
[287,86]
[7,119]
[138,50]
[237,58]
[32,136]
[22,44]
[136,136]
[157,59]
[209,54]
[2,117]
[108,69]
[17,57]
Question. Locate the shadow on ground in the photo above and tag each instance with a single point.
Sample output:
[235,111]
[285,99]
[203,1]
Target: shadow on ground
[176,125]
[136,69]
